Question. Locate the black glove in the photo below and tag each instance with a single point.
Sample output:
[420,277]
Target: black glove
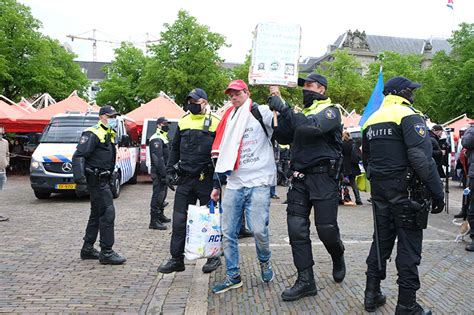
[276,103]
[437,205]
[81,190]
[171,181]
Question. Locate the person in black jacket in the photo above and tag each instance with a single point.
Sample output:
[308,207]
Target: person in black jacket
[316,144]
[190,161]
[396,151]
[351,163]
[438,154]
[468,143]
[93,164]
[159,152]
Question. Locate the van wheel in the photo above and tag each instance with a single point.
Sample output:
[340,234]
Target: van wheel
[42,194]
[133,180]
[115,188]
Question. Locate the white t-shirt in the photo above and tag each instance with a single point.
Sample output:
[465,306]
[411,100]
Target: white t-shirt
[257,162]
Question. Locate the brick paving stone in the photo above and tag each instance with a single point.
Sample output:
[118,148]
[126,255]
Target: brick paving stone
[41,272]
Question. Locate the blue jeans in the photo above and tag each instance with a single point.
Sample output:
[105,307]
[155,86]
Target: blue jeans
[3,179]
[272,191]
[256,202]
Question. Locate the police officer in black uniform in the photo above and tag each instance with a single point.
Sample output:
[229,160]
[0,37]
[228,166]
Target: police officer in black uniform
[190,160]
[315,136]
[397,151]
[159,153]
[93,166]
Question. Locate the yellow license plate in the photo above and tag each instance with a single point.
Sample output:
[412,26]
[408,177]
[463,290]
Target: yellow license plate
[65,186]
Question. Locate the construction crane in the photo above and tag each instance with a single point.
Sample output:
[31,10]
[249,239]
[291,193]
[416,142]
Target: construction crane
[94,42]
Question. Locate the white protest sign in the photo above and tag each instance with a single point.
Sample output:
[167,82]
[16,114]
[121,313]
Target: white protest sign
[275,54]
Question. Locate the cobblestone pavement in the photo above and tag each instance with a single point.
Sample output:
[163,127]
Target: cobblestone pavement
[40,268]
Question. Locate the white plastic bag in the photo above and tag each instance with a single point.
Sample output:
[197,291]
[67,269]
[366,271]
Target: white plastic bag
[203,232]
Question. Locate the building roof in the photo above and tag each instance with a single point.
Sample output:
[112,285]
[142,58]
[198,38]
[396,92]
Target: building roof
[94,69]
[359,42]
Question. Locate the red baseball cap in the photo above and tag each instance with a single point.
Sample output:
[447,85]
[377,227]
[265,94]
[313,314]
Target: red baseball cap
[237,85]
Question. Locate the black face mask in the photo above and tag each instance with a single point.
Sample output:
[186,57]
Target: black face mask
[310,96]
[165,128]
[194,108]
[407,94]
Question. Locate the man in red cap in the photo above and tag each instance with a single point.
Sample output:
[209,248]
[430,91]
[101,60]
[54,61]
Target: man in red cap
[245,155]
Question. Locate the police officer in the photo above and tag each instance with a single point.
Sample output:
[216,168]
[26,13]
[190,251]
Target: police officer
[397,150]
[190,159]
[159,153]
[93,165]
[315,135]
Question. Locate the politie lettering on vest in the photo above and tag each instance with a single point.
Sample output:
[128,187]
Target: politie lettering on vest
[379,132]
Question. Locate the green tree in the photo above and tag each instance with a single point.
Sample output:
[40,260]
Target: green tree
[121,87]
[185,58]
[346,85]
[31,63]
[448,83]
[260,93]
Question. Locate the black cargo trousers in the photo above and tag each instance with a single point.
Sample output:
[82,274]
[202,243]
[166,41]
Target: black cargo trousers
[190,188]
[159,193]
[395,219]
[102,214]
[318,190]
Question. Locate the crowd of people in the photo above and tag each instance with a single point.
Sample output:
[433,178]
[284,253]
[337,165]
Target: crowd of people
[240,157]
[250,152]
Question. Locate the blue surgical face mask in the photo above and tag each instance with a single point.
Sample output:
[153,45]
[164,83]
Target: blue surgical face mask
[112,122]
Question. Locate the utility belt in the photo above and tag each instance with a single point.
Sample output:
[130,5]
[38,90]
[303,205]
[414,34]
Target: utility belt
[411,215]
[331,167]
[207,171]
[100,174]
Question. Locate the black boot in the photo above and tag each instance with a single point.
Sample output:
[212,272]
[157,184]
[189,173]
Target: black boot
[338,269]
[407,304]
[172,265]
[374,297]
[470,247]
[244,232]
[109,257]
[461,214]
[304,286]
[357,197]
[155,223]
[89,252]
[162,218]
[211,264]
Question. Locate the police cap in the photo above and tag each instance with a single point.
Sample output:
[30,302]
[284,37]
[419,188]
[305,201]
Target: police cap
[396,84]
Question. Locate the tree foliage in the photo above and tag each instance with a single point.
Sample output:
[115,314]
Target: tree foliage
[121,87]
[31,63]
[451,77]
[346,85]
[186,58]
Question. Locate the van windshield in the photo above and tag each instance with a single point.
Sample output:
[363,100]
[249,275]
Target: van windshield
[65,132]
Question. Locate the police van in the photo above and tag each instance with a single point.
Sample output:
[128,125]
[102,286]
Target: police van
[51,162]
[149,128]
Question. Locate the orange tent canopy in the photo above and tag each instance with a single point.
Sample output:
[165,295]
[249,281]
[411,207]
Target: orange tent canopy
[158,107]
[9,114]
[35,122]
[351,120]
[458,123]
